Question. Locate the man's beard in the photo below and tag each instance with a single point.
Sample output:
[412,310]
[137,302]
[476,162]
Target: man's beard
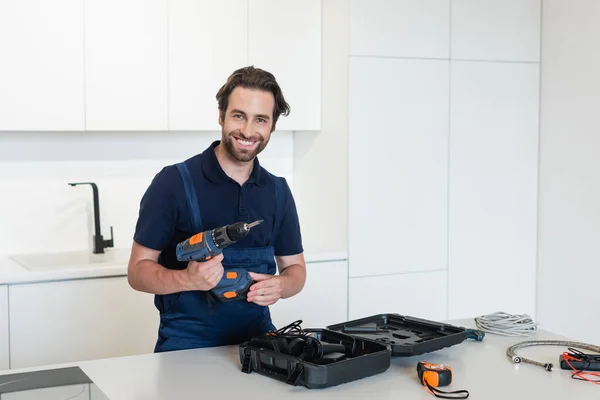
[243,155]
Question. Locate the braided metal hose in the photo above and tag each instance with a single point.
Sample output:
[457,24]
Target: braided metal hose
[510,352]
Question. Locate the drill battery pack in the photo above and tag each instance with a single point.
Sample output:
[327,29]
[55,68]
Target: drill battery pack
[233,286]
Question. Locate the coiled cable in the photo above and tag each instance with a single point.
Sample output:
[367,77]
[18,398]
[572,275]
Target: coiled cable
[511,351]
[501,323]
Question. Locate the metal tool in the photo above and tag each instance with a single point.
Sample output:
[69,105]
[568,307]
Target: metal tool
[205,245]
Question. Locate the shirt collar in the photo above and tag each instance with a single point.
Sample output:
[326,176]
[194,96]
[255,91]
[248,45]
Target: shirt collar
[214,172]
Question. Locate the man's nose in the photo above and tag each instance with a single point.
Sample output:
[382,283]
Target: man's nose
[245,129]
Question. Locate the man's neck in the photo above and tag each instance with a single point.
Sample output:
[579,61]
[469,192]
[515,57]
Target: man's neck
[236,170]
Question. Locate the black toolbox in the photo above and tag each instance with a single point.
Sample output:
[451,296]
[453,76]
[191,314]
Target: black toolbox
[366,358]
[364,351]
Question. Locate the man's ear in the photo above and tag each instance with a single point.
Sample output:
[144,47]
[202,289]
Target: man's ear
[221,118]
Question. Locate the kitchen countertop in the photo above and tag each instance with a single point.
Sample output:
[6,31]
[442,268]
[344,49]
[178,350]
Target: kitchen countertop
[482,368]
[11,272]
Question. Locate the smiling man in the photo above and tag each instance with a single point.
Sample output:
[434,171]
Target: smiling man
[222,185]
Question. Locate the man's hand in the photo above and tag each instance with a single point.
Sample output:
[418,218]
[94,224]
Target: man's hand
[204,275]
[267,290]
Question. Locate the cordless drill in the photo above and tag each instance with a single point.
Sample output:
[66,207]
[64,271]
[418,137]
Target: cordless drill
[204,245]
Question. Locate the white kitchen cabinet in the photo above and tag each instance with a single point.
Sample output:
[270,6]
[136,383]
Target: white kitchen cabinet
[400,28]
[41,73]
[285,39]
[322,302]
[493,193]
[67,321]
[421,295]
[201,56]
[398,192]
[4,342]
[71,392]
[496,30]
[126,65]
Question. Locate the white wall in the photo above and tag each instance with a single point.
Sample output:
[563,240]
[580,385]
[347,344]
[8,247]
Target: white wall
[443,131]
[569,204]
[35,199]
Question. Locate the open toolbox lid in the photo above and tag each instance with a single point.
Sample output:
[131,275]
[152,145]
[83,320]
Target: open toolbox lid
[407,336]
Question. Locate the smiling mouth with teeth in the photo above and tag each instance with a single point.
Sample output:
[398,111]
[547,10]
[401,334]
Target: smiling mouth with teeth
[245,142]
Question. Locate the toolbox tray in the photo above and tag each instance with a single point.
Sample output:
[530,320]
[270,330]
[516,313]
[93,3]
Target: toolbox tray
[407,336]
[369,358]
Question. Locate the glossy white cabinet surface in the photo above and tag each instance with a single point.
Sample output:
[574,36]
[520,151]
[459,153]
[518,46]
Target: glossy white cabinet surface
[400,28]
[398,182]
[41,73]
[202,54]
[421,295]
[284,38]
[322,302]
[496,30]
[493,188]
[126,64]
[4,332]
[151,65]
[66,321]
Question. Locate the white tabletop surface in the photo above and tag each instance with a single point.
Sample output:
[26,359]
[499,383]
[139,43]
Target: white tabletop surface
[482,368]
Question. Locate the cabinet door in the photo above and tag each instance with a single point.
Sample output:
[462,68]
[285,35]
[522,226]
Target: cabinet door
[285,39]
[207,42]
[41,73]
[75,392]
[421,295]
[126,64]
[4,346]
[322,302]
[493,198]
[399,191]
[69,321]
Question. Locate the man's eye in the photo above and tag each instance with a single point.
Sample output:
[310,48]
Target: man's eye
[237,116]
[262,120]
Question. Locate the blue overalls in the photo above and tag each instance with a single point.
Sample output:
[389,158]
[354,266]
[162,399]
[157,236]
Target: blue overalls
[187,320]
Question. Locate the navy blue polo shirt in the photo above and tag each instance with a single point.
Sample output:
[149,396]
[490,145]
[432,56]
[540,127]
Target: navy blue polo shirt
[164,219]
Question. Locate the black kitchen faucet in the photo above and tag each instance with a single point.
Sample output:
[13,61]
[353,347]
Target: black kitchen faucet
[99,243]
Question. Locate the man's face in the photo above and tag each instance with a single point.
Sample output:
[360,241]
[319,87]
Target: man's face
[246,125]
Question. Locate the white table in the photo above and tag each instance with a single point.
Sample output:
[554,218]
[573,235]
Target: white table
[482,368]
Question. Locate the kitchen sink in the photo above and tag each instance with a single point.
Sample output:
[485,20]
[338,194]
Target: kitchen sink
[72,259]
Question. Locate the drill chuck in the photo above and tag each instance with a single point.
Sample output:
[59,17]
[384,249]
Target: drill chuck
[229,234]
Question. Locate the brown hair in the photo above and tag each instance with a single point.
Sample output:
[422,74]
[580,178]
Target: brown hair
[254,78]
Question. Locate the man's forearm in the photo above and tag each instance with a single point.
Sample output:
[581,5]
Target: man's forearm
[294,278]
[151,277]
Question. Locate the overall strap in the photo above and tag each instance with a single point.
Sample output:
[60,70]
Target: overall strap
[279,206]
[190,194]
